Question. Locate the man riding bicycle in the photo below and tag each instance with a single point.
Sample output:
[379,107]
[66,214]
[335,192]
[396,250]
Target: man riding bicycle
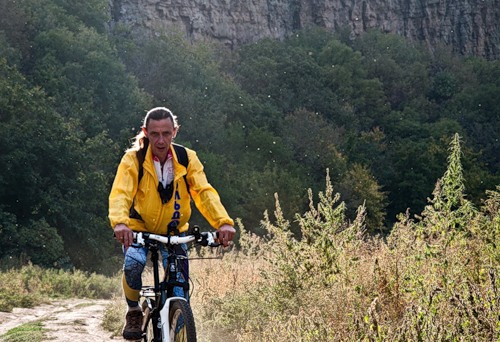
[152,192]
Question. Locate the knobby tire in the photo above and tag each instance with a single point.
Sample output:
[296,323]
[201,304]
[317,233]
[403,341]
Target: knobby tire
[182,326]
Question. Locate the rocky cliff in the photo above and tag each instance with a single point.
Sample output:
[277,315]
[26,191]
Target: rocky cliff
[471,27]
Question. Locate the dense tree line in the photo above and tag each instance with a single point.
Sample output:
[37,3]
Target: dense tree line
[269,117]
[66,100]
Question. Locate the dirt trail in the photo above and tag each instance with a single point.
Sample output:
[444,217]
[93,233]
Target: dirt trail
[75,320]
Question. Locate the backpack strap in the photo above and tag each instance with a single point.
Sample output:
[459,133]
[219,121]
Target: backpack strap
[141,155]
[182,158]
[182,155]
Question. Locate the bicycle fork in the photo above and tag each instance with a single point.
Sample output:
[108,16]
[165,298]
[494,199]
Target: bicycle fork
[162,294]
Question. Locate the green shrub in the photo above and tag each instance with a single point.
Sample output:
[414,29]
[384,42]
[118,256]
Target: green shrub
[32,285]
[434,277]
[29,332]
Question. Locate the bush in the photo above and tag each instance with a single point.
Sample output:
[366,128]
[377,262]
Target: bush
[433,278]
[33,285]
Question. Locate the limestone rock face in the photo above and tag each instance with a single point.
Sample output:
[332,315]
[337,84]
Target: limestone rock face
[471,27]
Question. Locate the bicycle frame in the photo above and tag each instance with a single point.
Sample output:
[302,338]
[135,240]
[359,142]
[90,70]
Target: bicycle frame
[163,291]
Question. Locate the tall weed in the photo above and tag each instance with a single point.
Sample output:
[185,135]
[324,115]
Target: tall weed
[434,278]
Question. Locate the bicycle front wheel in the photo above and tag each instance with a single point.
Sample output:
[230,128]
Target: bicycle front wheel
[182,327]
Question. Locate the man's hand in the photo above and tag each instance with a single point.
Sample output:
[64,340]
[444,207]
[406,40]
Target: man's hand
[124,235]
[226,234]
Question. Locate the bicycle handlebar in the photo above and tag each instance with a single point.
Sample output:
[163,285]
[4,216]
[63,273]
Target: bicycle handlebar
[201,238]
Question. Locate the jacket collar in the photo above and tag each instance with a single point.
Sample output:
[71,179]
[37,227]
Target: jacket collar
[179,170]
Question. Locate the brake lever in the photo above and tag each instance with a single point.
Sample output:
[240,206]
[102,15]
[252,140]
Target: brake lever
[208,239]
[139,238]
[215,236]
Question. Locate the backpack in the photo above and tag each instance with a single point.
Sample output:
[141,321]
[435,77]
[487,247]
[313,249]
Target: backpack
[182,158]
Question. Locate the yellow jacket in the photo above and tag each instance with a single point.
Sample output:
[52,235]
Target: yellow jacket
[147,202]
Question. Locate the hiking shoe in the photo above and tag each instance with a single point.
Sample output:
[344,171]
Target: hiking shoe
[133,325]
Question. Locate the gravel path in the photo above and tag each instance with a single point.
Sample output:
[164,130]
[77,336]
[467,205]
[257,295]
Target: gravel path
[72,320]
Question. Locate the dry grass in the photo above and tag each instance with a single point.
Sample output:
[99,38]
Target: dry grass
[216,274]
[32,285]
[218,280]
[377,293]
[432,279]
[337,284]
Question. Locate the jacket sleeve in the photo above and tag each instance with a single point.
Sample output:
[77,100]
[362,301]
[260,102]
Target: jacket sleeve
[123,190]
[205,197]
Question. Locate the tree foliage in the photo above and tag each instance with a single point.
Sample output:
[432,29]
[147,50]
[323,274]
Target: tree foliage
[269,117]
[65,104]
